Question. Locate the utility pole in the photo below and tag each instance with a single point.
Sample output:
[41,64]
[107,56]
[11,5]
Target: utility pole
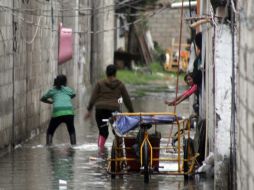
[92,59]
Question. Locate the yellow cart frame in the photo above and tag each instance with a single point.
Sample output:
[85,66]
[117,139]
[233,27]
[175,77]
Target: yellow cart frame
[185,159]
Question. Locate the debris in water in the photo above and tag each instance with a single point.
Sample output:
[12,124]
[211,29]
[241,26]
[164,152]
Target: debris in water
[95,159]
[62,182]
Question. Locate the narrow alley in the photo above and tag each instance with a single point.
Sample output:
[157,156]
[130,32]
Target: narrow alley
[203,47]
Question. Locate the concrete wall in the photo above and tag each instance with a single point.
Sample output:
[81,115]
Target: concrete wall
[28,53]
[245,101]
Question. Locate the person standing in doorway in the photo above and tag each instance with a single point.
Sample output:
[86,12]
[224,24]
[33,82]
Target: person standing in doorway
[105,97]
[197,73]
[60,96]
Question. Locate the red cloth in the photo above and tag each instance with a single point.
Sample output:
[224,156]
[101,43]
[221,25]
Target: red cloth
[65,44]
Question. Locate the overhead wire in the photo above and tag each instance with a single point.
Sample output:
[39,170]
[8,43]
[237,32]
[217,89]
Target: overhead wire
[112,6]
[30,13]
[39,11]
[83,12]
[80,32]
[38,25]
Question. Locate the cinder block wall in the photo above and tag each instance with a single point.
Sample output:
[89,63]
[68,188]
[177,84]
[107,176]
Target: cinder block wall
[6,73]
[245,100]
[165,26]
[28,54]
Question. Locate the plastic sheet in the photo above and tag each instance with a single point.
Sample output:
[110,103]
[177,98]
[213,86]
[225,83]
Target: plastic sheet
[124,124]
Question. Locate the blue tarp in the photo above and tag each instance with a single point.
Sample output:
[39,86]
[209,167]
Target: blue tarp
[123,123]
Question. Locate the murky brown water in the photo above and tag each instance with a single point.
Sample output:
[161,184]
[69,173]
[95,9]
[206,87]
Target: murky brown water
[33,166]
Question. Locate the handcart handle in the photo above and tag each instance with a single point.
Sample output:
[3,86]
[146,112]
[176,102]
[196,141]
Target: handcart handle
[145,113]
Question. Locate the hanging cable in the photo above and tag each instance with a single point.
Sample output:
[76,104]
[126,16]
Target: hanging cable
[36,31]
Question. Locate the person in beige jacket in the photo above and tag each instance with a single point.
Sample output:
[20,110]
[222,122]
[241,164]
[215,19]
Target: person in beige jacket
[104,98]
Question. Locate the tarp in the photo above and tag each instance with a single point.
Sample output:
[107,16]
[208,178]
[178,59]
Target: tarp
[124,124]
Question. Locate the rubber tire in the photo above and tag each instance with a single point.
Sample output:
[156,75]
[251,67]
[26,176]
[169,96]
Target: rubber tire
[146,163]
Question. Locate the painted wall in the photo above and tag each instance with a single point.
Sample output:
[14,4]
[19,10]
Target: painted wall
[218,87]
[223,74]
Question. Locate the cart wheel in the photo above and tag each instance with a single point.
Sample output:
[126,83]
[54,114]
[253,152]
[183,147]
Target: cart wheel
[187,152]
[113,162]
[146,163]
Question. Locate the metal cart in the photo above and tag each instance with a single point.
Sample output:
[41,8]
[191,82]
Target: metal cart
[135,149]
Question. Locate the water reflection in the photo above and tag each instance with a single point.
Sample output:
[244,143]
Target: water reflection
[61,161]
[199,182]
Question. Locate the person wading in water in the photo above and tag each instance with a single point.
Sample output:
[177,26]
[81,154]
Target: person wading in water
[60,96]
[105,97]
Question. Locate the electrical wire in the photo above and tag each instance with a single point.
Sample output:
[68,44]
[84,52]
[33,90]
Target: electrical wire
[80,32]
[112,6]
[82,14]
[36,31]
[72,16]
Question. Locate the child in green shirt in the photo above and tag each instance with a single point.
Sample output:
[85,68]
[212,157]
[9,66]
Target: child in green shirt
[60,96]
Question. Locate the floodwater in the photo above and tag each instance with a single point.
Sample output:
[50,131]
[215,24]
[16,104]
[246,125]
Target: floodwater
[34,166]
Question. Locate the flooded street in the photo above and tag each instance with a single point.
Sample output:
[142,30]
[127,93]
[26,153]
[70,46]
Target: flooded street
[34,166]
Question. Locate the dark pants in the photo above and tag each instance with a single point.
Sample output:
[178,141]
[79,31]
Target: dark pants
[56,121]
[102,126]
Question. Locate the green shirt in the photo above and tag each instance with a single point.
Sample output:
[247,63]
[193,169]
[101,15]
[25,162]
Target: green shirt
[61,98]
